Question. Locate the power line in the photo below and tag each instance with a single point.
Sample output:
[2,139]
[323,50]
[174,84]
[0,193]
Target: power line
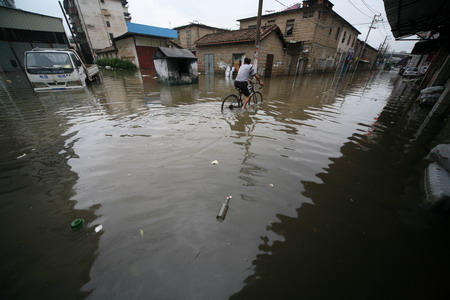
[370,8]
[281,3]
[359,9]
[367,23]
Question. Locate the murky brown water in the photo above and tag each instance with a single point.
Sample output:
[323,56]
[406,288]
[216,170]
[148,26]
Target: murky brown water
[325,185]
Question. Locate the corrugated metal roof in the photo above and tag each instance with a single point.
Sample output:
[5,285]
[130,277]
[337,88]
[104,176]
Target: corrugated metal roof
[151,30]
[25,20]
[408,17]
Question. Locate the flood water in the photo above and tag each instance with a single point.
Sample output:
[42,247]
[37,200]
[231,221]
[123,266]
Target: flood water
[325,185]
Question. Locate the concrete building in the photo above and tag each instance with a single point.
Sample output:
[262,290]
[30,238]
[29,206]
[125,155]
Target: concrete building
[218,51]
[188,34]
[322,34]
[22,31]
[96,23]
[141,42]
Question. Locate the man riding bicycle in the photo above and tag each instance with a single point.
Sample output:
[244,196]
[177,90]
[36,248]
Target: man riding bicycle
[244,76]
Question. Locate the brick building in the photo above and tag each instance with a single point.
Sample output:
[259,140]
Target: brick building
[217,51]
[313,26]
[188,34]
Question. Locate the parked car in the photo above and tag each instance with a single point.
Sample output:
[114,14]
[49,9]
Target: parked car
[411,73]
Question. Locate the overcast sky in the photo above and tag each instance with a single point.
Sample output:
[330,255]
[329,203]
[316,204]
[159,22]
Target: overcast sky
[223,14]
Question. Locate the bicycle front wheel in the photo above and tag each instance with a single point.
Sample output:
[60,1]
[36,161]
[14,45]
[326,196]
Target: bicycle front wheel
[257,97]
[231,102]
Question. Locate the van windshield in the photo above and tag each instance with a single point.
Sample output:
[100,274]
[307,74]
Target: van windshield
[48,62]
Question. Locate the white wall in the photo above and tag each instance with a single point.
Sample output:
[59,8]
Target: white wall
[95,22]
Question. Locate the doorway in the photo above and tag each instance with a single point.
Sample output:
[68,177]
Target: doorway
[209,63]
[269,65]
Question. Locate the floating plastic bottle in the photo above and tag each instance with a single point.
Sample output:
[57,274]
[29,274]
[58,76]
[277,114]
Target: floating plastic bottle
[223,210]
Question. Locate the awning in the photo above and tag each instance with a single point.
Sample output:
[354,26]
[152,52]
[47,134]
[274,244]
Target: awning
[408,17]
[425,47]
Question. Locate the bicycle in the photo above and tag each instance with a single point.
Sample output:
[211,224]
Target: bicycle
[233,101]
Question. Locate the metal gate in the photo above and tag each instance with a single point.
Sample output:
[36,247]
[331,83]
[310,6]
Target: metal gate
[146,56]
[209,63]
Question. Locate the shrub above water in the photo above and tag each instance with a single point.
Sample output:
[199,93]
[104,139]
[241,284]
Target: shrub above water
[116,63]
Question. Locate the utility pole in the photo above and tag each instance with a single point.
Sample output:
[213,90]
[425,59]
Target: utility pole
[380,50]
[365,41]
[258,34]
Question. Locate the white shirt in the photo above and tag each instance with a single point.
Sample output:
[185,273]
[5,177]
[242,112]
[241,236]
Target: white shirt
[245,72]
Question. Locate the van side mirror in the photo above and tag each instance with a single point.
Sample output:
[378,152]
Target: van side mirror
[78,63]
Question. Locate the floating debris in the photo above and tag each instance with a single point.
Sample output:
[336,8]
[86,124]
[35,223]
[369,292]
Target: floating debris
[77,223]
[98,228]
[270,184]
[223,209]
[142,233]
[23,155]
[214,162]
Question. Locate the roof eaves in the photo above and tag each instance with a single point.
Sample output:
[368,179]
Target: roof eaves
[224,43]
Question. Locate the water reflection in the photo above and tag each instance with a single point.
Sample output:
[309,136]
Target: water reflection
[364,235]
[135,156]
[40,253]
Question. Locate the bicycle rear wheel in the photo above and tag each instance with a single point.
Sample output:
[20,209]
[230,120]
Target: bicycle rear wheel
[231,101]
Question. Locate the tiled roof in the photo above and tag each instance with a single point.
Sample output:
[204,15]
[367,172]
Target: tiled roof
[236,36]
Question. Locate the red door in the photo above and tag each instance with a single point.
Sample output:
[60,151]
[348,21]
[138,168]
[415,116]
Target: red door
[145,57]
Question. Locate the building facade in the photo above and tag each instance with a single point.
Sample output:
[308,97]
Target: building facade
[189,34]
[141,43]
[323,35]
[217,52]
[22,31]
[365,56]
[96,23]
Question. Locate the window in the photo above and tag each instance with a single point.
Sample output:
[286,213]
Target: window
[343,37]
[289,27]
[337,33]
[111,36]
[102,1]
[251,26]
[349,38]
[108,24]
[74,58]
[331,30]
[270,22]
[308,14]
